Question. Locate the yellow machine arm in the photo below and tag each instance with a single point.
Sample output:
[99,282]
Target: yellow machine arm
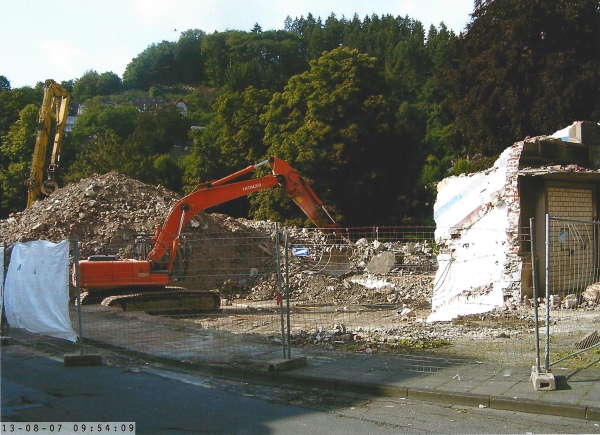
[55,97]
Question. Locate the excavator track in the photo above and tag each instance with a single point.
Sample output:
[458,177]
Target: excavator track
[170,300]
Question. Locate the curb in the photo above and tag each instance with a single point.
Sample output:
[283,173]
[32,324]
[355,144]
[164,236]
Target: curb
[535,407]
[453,398]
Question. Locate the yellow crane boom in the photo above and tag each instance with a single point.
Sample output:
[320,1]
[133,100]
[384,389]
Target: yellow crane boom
[55,98]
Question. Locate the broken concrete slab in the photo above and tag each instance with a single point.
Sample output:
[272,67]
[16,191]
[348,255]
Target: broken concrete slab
[282,365]
[382,263]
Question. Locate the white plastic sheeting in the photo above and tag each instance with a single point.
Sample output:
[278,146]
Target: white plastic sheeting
[36,292]
[1,277]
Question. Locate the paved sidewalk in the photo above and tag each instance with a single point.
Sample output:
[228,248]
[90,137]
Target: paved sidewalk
[478,385]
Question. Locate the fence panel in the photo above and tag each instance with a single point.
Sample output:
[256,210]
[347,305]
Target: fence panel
[380,306]
[574,260]
[570,324]
[235,266]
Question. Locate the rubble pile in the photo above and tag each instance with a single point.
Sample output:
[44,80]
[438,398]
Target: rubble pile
[102,210]
[391,273]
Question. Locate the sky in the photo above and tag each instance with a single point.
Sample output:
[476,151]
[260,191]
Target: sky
[61,40]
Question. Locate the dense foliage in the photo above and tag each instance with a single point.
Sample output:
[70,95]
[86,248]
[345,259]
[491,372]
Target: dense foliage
[373,112]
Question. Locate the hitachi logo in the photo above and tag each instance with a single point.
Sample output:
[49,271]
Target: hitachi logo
[254,186]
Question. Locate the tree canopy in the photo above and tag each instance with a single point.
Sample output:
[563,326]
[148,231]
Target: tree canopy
[371,111]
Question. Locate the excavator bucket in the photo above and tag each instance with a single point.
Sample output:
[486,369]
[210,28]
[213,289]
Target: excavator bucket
[334,262]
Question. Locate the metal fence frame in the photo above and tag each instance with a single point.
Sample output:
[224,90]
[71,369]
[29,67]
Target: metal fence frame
[557,242]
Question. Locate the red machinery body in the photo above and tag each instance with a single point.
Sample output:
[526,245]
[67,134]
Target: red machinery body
[101,273]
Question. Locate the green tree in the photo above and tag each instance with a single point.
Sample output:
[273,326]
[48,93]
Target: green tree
[240,133]
[98,119]
[188,57]
[4,84]
[233,141]
[157,131]
[16,152]
[12,102]
[167,173]
[335,126]
[525,68]
[92,84]
[154,66]
[108,152]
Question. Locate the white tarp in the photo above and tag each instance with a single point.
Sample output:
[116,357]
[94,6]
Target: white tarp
[36,292]
[1,277]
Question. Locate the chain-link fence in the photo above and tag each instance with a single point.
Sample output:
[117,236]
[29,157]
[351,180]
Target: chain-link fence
[285,292]
[570,293]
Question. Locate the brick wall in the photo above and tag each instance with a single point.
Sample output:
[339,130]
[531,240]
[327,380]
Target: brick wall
[513,264]
[567,202]
[571,247]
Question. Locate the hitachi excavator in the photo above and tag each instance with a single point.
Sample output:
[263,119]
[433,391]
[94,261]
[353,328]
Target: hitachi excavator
[55,97]
[147,284]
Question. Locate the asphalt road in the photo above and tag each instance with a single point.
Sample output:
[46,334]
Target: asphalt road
[38,387]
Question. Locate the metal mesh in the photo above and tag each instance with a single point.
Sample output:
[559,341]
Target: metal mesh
[364,293]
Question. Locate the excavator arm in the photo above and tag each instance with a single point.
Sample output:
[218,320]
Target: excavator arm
[54,97]
[104,273]
[166,238]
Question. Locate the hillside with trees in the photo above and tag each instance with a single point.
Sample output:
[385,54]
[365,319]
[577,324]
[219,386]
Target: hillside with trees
[373,111]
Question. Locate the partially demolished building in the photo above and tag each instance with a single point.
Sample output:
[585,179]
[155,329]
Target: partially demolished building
[482,219]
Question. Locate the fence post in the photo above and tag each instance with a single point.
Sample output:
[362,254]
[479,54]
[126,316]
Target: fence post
[2,315]
[78,290]
[279,299]
[547,356]
[535,294]
[287,291]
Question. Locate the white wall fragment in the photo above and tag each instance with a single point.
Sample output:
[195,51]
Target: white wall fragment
[472,221]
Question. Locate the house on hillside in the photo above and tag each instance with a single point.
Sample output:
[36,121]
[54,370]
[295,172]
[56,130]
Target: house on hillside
[182,105]
[148,103]
[75,110]
[483,219]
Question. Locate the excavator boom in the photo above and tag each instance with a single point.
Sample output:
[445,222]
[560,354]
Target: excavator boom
[55,97]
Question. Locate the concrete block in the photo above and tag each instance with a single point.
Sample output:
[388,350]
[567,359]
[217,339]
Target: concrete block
[304,381]
[537,407]
[83,360]
[282,365]
[371,389]
[465,399]
[357,387]
[213,369]
[592,413]
[542,381]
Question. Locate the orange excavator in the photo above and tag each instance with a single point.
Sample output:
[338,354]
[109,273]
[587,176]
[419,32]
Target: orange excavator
[147,284]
